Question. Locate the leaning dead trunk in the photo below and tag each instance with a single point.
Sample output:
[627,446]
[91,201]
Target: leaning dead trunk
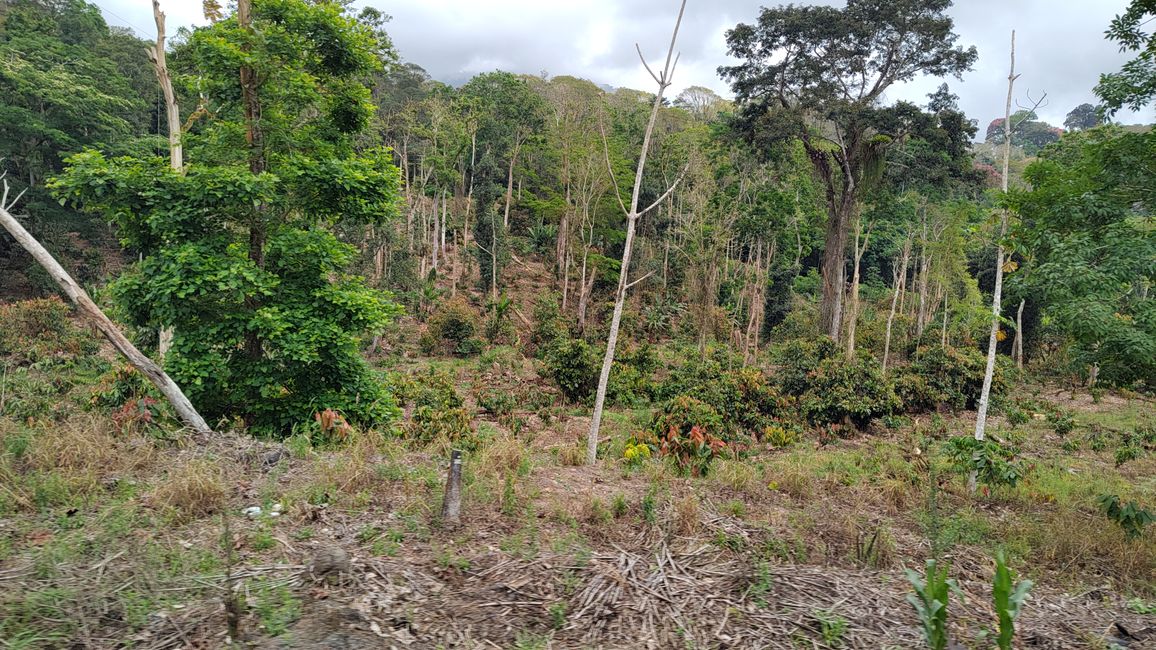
[145,365]
[985,393]
[632,216]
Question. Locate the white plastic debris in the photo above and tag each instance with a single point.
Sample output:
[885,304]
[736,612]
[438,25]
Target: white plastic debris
[276,507]
[253,511]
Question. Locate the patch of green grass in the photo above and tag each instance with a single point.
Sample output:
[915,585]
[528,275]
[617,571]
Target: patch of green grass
[262,540]
[449,559]
[275,606]
[618,506]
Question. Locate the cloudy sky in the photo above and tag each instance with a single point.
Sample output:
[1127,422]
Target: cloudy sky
[1060,45]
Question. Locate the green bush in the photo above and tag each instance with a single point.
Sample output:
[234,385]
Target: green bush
[35,330]
[573,365]
[994,464]
[744,396]
[631,377]
[453,424]
[1130,517]
[946,377]
[689,432]
[431,388]
[549,325]
[1062,421]
[848,391]
[453,329]
[798,359]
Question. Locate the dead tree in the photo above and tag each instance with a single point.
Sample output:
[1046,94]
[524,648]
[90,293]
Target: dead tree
[88,308]
[156,54]
[985,392]
[663,80]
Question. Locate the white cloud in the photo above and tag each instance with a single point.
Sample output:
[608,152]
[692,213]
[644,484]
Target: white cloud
[1061,47]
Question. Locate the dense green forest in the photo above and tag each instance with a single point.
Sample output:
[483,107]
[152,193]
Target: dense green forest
[811,333]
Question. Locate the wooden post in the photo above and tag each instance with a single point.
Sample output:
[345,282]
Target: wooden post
[452,503]
[147,366]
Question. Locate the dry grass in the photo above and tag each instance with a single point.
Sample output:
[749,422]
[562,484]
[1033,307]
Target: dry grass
[88,443]
[193,489]
[737,475]
[503,456]
[687,516]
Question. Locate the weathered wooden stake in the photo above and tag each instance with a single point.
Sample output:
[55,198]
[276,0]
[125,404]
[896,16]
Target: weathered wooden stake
[147,366]
[452,504]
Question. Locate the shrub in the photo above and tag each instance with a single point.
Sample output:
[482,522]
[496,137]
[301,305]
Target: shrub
[636,453]
[453,329]
[34,330]
[1062,422]
[573,365]
[452,424]
[549,325]
[630,377]
[993,463]
[842,391]
[689,432]
[945,376]
[799,358]
[745,396]
[1130,517]
[780,435]
[497,402]
[431,388]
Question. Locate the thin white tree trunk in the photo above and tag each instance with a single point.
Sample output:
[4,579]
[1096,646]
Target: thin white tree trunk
[147,366]
[632,216]
[985,393]
[853,302]
[173,116]
[1018,343]
[900,276]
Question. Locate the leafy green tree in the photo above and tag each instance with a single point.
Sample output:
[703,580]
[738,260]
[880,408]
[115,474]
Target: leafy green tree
[1084,116]
[239,256]
[1134,85]
[1087,227]
[818,73]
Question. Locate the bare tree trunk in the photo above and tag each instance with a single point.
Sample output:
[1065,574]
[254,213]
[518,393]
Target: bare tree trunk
[173,116]
[632,215]
[1018,343]
[145,365]
[434,239]
[985,393]
[510,185]
[900,275]
[924,271]
[853,302]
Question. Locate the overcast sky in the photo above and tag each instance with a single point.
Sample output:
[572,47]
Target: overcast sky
[1060,43]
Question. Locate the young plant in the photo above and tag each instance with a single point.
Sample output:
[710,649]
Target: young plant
[993,463]
[1130,516]
[930,602]
[1009,600]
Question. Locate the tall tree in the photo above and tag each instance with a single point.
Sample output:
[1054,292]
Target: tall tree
[633,214]
[1134,85]
[819,73]
[239,250]
[997,291]
[1085,116]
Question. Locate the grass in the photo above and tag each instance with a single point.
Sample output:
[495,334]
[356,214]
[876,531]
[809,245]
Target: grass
[77,493]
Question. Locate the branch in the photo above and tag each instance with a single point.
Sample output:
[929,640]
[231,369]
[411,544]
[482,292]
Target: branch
[646,65]
[609,167]
[667,192]
[640,279]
